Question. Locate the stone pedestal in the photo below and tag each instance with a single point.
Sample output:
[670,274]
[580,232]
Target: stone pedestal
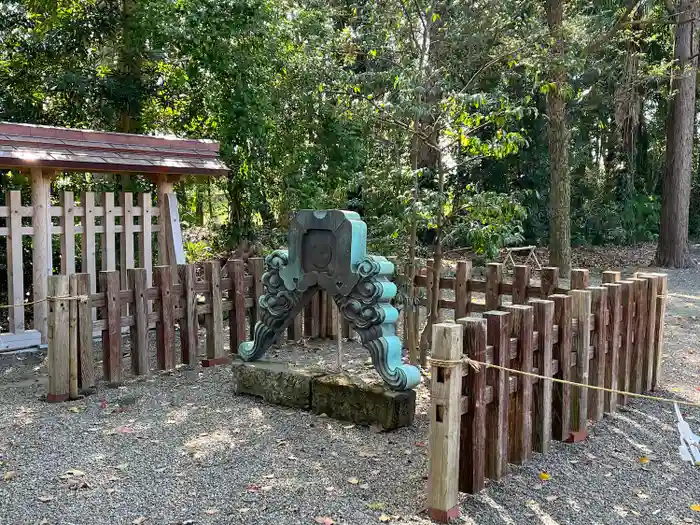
[335,395]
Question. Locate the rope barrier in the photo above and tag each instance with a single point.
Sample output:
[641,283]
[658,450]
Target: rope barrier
[82,298]
[476,365]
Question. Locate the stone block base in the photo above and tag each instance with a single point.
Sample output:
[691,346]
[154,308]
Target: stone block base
[335,395]
[340,397]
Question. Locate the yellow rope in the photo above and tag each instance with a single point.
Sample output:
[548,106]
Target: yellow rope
[82,298]
[476,365]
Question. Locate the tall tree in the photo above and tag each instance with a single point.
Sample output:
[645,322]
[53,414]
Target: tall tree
[558,134]
[675,195]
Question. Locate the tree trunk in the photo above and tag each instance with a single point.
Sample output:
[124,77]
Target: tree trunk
[560,183]
[675,194]
[199,205]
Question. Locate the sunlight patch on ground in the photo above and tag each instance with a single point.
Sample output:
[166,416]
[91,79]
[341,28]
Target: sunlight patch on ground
[209,443]
[500,510]
[544,518]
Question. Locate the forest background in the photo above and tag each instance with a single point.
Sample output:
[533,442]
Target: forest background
[458,124]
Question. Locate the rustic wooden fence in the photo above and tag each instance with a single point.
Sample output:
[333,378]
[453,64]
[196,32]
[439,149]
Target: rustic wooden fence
[104,231]
[608,336]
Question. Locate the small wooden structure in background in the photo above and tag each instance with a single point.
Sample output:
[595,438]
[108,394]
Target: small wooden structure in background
[609,336]
[45,151]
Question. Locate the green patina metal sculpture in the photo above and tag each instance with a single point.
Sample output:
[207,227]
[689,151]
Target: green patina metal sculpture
[328,249]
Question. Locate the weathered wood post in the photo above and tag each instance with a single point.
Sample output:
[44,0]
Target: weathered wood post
[58,339]
[41,254]
[445,418]
[581,312]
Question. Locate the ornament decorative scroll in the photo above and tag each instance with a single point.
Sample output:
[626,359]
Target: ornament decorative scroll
[327,249]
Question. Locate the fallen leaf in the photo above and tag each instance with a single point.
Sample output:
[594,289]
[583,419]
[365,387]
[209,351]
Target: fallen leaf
[10,474]
[656,512]
[364,486]
[243,510]
[688,520]
[364,454]
[378,505]
[695,507]
[76,410]
[544,476]
[641,495]
[269,476]
[324,520]
[330,489]
[292,458]
[552,498]
[420,444]
[348,427]
[253,487]
[139,520]
[353,481]
[644,460]
[111,491]
[125,430]
[267,488]
[211,512]
[122,466]
[384,518]
[45,499]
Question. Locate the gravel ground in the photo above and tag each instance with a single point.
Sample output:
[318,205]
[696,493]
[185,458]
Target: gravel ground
[180,448]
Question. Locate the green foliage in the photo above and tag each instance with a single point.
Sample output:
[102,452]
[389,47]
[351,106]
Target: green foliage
[197,251]
[486,222]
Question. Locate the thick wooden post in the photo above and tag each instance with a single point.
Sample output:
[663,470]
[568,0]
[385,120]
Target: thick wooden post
[648,354]
[111,335]
[550,281]
[581,312]
[579,279]
[59,339]
[520,415]
[463,296]
[236,318]
[624,368]
[498,336]
[214,322]
[126,238]
[189,329]
[146,238]
[521,280]
[88,239]
[138,282]
[611,277]
[640,332]
[41,254]
[561,417]
[73,337]
[165,326]
[659,339]
[164,185]
[542,392]
[472,449]
[86,359]
[596,398]
[445,417]
[612,360]
[109,241]
[494,277]
[67,222]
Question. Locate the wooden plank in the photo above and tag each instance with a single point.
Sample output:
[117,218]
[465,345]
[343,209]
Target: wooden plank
[596,398]
[549,282]
[561,415]
[659,333]
[316,315]
[59,339]
[173,231]
[137,281]
[146,238]
[520,415]
[542,388]
[86,360]
[579,279]
[581,311]
[126,238]
[111,335]
[189,329]
[308,315]
[214,322]
[237,333]
[15,264]
[498,336]
[109,250]
[648,357]
[67,223]
[73,338]
[494,277]
[612,359]
[640,332]
[472,448]
[463,296]
[446,390]
[611,277]
[521,280]
[624,367]
[165,327]
[88,239]
[42,266]
[323,313]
